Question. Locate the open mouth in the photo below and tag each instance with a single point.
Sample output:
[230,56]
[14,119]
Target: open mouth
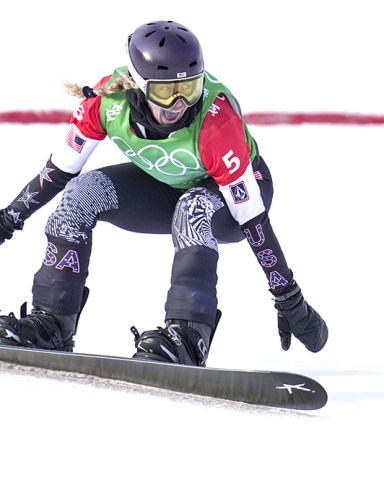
[172,116]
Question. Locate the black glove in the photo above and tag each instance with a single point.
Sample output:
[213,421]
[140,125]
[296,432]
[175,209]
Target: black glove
[296,317]
[6,232]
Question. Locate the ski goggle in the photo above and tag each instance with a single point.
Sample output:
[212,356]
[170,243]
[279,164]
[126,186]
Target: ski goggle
[165,93]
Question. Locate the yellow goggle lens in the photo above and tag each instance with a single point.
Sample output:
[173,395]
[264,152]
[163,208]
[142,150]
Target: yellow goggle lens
[166,93]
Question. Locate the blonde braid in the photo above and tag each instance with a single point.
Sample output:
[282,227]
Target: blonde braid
[122,82]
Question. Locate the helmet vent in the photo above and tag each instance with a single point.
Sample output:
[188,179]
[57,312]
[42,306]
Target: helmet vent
[150,33]
[181,38]
[193,64]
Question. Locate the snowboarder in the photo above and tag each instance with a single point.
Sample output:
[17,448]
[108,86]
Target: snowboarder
[192,170]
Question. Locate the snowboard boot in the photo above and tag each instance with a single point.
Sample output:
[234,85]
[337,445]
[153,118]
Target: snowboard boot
[181,341]
[40,329]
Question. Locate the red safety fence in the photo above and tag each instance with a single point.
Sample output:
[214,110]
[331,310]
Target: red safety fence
[35,116]
[301,118]
[259,118]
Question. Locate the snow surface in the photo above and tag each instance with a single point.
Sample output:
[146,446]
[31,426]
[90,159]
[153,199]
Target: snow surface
[327,213]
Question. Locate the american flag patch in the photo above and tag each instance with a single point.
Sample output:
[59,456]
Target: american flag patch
[258,175]
[239,192]
[74,141]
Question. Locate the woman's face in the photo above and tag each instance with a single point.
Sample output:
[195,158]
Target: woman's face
[169,116]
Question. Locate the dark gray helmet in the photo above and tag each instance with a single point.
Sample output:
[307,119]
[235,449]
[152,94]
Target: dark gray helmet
[164,50]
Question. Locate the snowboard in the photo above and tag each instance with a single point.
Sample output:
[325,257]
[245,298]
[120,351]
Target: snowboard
[258,387]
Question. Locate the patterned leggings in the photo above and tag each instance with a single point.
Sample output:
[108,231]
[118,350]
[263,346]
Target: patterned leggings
[127,197]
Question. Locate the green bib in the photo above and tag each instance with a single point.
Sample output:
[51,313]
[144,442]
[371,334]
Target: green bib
[176,159]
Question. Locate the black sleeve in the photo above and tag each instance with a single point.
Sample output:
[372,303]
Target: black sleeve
[37,193]
[268,252]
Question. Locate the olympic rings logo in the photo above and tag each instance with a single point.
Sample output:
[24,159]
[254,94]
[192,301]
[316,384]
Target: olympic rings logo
[154,157]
